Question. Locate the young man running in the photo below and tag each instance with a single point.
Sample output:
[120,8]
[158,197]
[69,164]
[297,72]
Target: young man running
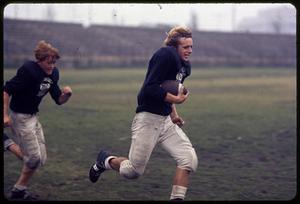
[156,120]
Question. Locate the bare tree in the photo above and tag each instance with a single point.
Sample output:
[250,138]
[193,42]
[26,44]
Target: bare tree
[276,22]
[50,13]
[194,20]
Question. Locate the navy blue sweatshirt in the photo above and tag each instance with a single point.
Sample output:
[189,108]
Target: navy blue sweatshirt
[165,64]
[29,86]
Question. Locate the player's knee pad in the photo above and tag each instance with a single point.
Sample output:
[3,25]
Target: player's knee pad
[128,171]
[34,161]
[190,162]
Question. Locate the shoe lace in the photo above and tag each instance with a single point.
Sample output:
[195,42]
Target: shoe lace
[30,196]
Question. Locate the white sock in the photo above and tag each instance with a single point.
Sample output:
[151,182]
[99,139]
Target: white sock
[20,187]
[107,165]
[178,192]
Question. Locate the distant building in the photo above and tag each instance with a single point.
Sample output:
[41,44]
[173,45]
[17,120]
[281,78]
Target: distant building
[280,20]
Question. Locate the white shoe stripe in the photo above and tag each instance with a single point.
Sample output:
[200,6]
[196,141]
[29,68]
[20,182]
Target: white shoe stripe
[95,167]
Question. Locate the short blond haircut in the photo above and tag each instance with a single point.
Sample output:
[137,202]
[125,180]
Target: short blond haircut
[43,50]
[175,33]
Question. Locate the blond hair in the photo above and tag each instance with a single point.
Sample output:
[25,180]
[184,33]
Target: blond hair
[175,33]
[44,50]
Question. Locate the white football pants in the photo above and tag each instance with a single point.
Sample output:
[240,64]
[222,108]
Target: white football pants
[150,129]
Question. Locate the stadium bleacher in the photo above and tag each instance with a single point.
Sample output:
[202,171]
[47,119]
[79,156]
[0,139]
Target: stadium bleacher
[119,46]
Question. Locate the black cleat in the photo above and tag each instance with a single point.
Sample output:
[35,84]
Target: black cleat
[177,199]
[17,194]
[99,167]
[95,173]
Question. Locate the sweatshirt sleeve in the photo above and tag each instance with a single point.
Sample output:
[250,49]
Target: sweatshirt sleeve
[55,91]
[159,67]
[19,82]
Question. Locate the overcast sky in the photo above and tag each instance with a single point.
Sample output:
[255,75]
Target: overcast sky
[218,16]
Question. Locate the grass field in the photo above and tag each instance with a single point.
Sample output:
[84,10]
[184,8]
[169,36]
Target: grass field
[242,123]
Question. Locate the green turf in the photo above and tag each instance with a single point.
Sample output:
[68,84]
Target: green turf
[242,123]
